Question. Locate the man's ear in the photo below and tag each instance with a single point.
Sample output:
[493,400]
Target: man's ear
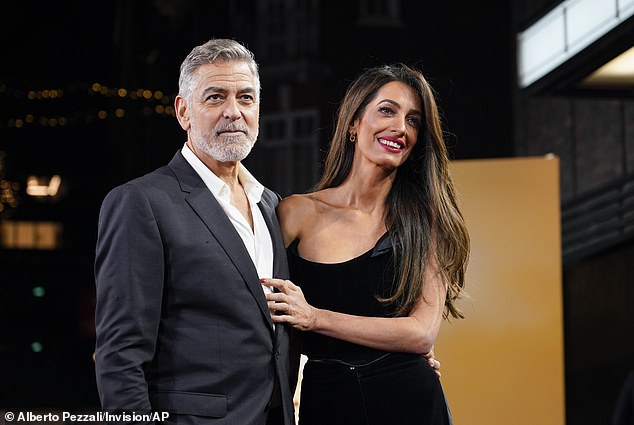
[182,112]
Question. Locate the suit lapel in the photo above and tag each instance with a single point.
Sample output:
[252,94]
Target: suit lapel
[280,263]
[211,213]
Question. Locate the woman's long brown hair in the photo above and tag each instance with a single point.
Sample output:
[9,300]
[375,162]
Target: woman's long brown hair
[422,213]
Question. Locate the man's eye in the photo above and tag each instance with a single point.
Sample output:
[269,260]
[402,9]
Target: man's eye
[213,97]
[247,97]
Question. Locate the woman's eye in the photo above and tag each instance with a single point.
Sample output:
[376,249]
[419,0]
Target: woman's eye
[414,121]
[385,110]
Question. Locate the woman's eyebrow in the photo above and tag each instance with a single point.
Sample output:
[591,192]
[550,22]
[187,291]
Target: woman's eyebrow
[398,105]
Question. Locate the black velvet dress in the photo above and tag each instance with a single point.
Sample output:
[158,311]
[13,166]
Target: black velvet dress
[345,383]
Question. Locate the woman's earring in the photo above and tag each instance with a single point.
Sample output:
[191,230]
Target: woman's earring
[353,138]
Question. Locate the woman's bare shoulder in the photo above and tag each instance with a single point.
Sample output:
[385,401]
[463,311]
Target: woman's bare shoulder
[295,212]
[309,201]
[295,203]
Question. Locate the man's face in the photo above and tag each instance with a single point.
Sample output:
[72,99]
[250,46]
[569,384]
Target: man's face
[222,115]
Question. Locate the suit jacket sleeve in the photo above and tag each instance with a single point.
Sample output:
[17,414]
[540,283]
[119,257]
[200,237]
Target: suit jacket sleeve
[129,283]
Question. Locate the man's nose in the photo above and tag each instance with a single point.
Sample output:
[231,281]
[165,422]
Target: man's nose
[232,110]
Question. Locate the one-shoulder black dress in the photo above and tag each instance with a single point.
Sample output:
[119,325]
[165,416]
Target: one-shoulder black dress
[345,383]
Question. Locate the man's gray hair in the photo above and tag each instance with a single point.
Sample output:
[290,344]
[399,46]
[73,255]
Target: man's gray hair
[214,51]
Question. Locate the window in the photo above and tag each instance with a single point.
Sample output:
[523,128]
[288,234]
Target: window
[289,144]
[287,28]
[380,12]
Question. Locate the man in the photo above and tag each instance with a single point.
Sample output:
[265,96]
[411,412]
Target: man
[181,318]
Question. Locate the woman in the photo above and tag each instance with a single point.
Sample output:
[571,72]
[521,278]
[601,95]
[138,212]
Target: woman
[380,249]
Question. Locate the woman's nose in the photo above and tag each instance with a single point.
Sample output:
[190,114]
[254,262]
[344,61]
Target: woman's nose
[398,124]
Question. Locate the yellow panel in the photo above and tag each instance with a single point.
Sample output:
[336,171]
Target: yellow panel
[503,364]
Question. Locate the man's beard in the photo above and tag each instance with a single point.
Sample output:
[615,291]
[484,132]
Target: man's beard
[226,148]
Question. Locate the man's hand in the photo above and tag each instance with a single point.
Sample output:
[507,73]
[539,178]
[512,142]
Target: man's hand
[435,364]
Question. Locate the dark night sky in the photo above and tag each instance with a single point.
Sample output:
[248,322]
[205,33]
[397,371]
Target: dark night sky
[50,43]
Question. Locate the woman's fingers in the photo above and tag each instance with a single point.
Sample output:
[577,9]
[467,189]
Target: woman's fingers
[288,304]
[285,286]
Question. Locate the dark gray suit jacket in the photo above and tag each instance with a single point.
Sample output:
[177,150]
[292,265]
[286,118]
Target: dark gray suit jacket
[181,318]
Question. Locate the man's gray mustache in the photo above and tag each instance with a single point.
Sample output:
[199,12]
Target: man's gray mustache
[227,128]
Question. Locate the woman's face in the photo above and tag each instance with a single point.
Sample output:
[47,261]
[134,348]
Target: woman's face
[388,129]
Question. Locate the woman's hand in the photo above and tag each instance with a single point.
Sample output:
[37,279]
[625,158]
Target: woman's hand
[288,305]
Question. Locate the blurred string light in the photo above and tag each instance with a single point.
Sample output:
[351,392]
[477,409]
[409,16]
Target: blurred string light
[8,190]
[147,102]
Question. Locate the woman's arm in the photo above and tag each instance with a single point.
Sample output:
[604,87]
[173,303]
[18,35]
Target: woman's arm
[415,333]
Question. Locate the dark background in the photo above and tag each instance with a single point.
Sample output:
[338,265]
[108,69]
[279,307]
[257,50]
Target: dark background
[308,51]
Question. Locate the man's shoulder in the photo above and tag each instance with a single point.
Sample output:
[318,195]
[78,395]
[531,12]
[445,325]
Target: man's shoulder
[146,182]
[270,197]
